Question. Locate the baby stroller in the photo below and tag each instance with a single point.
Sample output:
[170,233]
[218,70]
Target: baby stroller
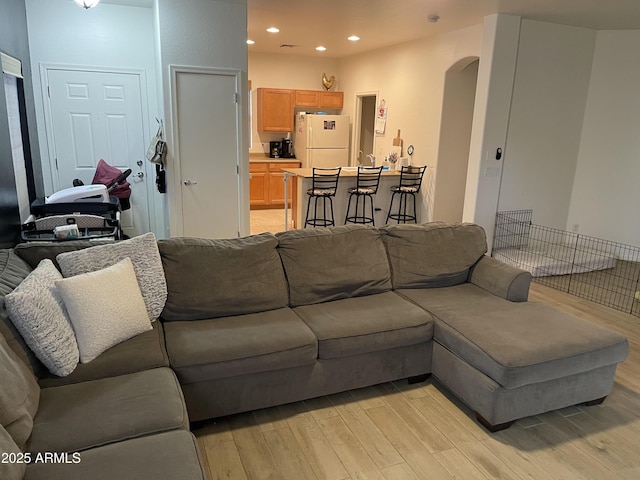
[82,211]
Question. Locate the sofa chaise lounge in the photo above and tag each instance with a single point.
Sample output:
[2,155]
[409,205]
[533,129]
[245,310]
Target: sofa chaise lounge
[269,319]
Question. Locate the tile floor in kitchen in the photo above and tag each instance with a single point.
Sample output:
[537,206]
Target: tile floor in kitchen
[271,220]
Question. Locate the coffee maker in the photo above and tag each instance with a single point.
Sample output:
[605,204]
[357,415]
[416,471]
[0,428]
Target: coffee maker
[275,149]
[281,149]
[287,148]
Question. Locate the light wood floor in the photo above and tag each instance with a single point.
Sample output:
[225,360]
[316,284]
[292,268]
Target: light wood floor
[399,432]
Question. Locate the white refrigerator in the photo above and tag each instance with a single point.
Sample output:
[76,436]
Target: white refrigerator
[322,141]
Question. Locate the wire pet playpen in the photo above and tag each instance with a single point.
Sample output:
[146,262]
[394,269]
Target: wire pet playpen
[599,270]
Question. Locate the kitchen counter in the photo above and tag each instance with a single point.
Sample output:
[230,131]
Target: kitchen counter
[263,158]
[273,160]
[298,181]
[345,172]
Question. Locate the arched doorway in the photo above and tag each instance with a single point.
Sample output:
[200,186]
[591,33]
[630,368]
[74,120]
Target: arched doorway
[455,137]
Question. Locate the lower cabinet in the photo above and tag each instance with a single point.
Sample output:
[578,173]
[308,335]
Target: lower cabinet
[267,184]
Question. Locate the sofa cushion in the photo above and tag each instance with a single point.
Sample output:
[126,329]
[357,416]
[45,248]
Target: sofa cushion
[143,252]
[324,264]
[142,352]
[19,395]
[165,456]
[89,414]
[433,254]
[231,346]
[34,252]
[216,278]
[517,344]
[105,308]
[38,312]
[359,325]
[13,270]
[10,470]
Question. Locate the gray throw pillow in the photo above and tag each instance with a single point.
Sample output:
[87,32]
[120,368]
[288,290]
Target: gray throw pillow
[143,252]
[38,313]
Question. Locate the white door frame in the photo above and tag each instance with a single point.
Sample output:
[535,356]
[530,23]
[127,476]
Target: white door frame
[357,123]
[50,179]
[174,165]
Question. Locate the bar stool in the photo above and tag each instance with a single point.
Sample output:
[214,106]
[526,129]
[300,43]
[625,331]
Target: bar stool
[366,187]
[410,181]
[324,184]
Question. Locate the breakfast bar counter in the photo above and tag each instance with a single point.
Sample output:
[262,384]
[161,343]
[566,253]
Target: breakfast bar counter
[298,181]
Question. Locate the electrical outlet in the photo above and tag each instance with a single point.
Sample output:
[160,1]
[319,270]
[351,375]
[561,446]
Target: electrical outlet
[576,228]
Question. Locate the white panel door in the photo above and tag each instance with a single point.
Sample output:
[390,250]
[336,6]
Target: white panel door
[207,115]
[98,115]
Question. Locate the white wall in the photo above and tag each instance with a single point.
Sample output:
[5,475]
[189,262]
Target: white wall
[108,36]
[455,138]
[490,119]
[545,124]
[410,78]
[204,33]
[285,71]
[606,192]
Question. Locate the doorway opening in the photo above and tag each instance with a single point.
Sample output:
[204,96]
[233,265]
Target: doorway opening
[364,128]
[455,138]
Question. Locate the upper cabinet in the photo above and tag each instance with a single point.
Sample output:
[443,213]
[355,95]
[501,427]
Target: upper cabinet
[275,110]
[276,106]
[318,99]
[307,98]
[331,100]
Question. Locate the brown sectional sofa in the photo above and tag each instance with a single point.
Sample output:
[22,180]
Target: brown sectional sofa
[264,320]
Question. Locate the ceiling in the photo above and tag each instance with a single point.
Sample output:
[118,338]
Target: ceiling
[306,24]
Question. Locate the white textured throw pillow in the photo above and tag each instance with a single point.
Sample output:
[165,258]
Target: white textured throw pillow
[38,313]
[105,308]
[144,254]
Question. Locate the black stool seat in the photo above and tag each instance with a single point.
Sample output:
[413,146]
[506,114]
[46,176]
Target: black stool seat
[324,184]
[367,183]
[409,185]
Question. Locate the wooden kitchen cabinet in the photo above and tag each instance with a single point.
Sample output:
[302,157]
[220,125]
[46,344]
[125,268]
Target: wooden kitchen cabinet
[307,98]
[331,100]
[276,106]
[258,184]
[267,184]
[319,99]
[276,182]
[275,110]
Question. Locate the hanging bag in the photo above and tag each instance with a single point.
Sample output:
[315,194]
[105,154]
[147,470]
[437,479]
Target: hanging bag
[157,153]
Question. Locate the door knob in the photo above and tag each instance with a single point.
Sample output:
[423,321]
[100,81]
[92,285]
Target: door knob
[139,175]
[189,182]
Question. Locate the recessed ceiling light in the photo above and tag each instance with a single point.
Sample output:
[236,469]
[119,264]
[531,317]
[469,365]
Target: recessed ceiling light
[353,38]
[250,42]
[273,30]
[321,48]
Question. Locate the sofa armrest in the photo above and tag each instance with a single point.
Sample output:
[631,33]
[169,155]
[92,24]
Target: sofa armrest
[500,279]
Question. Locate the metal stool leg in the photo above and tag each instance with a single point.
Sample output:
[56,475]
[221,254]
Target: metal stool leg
[346,217]
[306,219]
[333,223]
[393,195]
[373,210]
